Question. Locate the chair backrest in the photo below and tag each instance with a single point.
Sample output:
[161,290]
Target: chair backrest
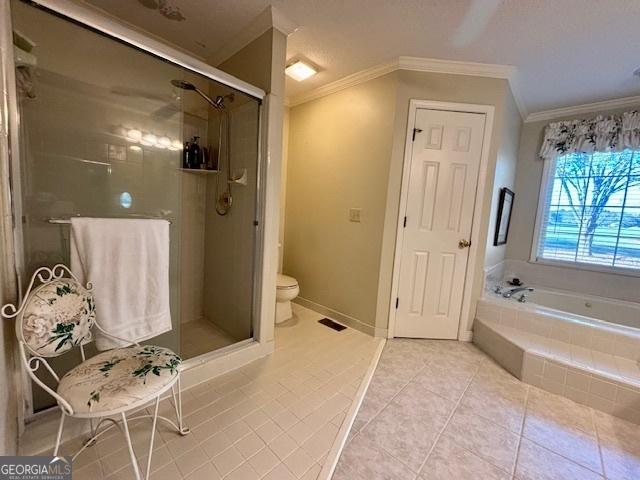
[55,315]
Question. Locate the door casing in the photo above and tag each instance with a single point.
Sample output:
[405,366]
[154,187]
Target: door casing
[414,105]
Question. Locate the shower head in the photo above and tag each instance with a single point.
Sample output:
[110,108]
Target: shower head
[218,103]
[183,85]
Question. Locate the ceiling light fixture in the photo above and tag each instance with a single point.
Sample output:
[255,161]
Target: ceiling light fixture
[300,71]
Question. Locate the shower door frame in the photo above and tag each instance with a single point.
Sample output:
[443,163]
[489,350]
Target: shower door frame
[109,27]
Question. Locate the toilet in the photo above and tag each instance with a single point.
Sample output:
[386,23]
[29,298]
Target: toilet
[286,290]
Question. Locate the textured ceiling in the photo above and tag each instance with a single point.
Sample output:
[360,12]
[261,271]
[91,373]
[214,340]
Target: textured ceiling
[568,52]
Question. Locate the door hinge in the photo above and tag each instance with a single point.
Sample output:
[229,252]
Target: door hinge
[405,222]
[397,302]
[415,130]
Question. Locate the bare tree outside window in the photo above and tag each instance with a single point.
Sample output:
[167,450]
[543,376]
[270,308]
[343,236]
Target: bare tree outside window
[592,212]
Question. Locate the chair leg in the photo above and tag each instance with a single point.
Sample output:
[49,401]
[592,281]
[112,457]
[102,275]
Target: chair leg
[91,441]
[177,403]
[59,437]
[153,434]
[134,460]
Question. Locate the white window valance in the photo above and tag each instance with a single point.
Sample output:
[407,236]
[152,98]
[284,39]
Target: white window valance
[613,133]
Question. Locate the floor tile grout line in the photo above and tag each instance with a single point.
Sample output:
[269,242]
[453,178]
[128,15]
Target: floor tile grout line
[514,468]
[564,457]
[595,427]
[392,398]
[236,384]
[386,405]
[591,412]
[446,424]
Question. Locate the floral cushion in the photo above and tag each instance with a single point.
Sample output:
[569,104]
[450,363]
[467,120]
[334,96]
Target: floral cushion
[119,378]
[57,316]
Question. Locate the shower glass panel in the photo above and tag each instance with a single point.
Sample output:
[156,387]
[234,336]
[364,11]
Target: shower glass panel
[102,132]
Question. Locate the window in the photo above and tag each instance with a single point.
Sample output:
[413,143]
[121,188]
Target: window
[590,210]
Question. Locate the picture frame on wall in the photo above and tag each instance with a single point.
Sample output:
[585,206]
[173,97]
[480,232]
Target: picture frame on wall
[505,206]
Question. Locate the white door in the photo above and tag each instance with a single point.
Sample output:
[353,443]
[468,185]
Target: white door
[445,161]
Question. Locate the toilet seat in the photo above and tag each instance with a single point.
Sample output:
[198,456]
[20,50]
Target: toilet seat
[285,282]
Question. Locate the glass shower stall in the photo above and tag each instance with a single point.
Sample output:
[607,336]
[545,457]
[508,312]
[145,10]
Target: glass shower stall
[108,130]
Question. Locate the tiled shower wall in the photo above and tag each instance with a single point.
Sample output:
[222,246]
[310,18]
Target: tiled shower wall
[229,239]
[192,246]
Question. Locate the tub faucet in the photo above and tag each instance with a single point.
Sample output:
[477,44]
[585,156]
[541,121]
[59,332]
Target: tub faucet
[509,293]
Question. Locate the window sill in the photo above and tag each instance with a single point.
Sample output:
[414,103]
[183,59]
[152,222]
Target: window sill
[625,272]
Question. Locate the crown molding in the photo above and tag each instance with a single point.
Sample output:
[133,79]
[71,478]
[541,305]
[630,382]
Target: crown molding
[455,67]
[270,17]
[281,22]
[417,64]
[345,82]
[584,108]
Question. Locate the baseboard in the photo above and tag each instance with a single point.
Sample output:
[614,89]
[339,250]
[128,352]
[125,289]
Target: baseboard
[40,433]
[342,318]
[331,461]
[466,336]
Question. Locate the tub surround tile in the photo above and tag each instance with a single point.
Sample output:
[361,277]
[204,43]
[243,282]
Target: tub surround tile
[592,377]
[597,336]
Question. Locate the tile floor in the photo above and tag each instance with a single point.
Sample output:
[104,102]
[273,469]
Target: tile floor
[273,419]
[439,410]
[201,336]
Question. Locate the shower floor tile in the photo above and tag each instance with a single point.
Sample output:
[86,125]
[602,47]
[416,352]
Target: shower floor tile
[201,336]
[276,418]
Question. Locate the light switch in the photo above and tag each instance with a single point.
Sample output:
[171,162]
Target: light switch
[354,214]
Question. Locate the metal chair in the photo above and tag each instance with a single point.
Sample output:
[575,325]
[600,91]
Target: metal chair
[57,314]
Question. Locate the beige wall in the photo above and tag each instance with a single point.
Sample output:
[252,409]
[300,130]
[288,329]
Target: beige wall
[527,188]
[339,150]
[347,150]
[505,174]
[283,187]
[253,62]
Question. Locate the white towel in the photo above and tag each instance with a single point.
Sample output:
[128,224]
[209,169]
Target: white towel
[127,261]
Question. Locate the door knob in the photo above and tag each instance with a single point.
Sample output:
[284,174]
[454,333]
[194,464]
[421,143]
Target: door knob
[464,244]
